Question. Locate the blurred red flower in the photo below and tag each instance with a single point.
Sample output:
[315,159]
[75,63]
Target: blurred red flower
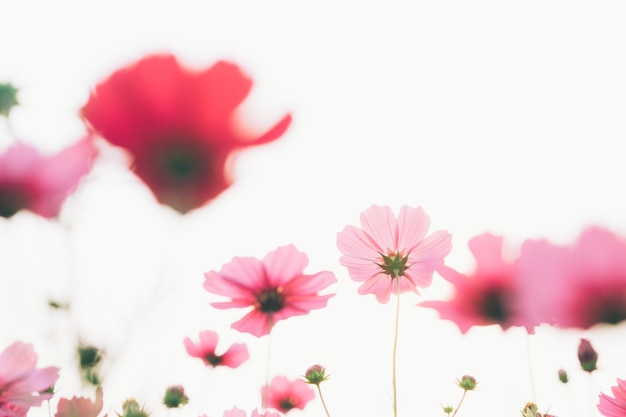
[284,395]
[205,350]
[178,125]
[40,183]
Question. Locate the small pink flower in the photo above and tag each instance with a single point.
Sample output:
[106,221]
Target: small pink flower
[580,285]
[80,406]
[387,248]
[39,183]
[489,295]
[275,288]
[284,395]
[205,350]
[21,384]
[614,406]
[236,412]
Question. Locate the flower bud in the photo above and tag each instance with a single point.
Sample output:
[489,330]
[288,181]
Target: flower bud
[447,409]
[316,374]
[530,410]
[587,356]
[8,98]
[175,396]
[467,382]
[563,376]
[131,408]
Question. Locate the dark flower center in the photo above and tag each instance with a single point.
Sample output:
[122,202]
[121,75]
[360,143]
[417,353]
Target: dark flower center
[606,305]
[394,265]
[181,162]
[13,198]
[288,403]
[213,359]
[271,300]
[493,304]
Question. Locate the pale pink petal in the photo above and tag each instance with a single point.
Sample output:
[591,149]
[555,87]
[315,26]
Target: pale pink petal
[192,349]
[413,224]
[355,243]
[37,380]
[255,322]
[380,224]
[432,249]
[487,250]
[310,284]
[208,339]
[380,286]
[235,412]
[238,279]
[235,355]
[283,264]
[16,359]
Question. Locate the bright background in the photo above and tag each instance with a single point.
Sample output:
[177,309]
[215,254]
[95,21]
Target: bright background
[497,116]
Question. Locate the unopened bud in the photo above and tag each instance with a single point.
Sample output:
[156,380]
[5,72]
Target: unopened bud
[8,98]
[447,409]
[587,356]
[563,376]
[315,375]
[175,397]
[131,408]
[468,383]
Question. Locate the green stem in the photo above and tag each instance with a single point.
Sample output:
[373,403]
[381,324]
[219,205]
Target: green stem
[319,390]
[267,368]
[395,348]
[456,409]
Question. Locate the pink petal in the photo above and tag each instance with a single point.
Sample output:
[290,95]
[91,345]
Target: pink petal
[283,264]
[255,322]
[235,355]
[413,223]
[380,224]
[487,249]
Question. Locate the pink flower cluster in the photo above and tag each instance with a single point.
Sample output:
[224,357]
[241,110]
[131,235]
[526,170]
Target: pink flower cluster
[573,286]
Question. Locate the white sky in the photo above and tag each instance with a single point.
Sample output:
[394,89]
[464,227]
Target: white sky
[496,116]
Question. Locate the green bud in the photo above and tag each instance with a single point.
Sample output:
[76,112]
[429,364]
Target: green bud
[8,98]
[131,408]
[587,356]
[315,375]
[467,383]
[563,376]
[175,397]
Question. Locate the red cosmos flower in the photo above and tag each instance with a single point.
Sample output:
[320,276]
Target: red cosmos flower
[284,395]
[39,183]
[275,288]
[205,350]
[490,295]
[179,125]
[579,285]
[21,384]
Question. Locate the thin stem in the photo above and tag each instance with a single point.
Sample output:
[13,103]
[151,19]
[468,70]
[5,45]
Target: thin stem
[395,348]
[267,367]
[531,378]
[319,390]
[456,410]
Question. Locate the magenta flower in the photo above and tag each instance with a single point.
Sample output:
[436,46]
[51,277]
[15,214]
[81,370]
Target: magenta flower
[489,295]
[275,288]
[180,126]
[21,384]
[39,183]
[205,350]
[284,395]
[580,285]
[80,406]
[614,406]
[386,247]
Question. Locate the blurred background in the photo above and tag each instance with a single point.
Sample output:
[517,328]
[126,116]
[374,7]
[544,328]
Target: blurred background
[495,116]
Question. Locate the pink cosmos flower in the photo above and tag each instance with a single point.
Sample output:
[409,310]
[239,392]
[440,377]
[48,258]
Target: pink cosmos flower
[275,288]
[80,406]
[284,395]
[180,126]
[205,350]
[489,295]
[236,412]
[614,406]
[40,183]
[387,248]
[579,285]
[21,384]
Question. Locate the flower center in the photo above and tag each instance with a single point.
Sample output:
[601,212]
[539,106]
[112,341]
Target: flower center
[181,162]
[394,265]
[493,305]
[271,300]
[288,403]
[606,305]
[13,198]
[213,359]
